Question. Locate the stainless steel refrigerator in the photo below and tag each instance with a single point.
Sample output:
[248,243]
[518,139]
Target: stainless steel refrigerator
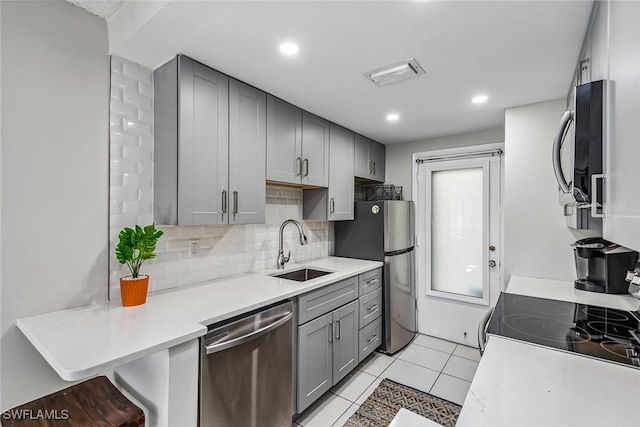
[384,231]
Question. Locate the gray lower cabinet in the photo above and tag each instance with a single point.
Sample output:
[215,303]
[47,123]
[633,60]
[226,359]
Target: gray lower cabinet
[370,312]
[209,147]
[328,339]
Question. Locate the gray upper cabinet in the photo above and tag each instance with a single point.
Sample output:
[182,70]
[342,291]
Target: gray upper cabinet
[315,150]
[369,159]
[198,180]
[190,143]
[284,141]
[247,151]
[336,202]
[341,159]
[297,145]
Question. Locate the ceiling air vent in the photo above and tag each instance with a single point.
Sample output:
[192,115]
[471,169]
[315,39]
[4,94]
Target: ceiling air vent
[394,72]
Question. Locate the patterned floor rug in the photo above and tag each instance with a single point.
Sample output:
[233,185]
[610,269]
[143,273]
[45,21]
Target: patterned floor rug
[387,399]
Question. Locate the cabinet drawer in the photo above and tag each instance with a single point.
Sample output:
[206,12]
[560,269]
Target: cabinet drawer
[370,306]
[370,338]
[370,280]
[321,301]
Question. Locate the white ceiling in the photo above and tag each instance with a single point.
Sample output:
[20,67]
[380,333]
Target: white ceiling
[515,52]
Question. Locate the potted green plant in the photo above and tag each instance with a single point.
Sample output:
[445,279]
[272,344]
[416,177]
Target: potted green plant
[136,245]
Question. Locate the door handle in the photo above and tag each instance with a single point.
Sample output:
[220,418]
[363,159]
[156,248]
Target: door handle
[372,307]
[332,205]
[299,166]
[224,202]
[339,327]
[374,167]
[372,338]
[235,202]
[305,168]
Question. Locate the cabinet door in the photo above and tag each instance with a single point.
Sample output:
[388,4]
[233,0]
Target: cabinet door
[314,359]
[315,150]
[341,159]
[622,194]
[203,144]
[377,157]
[284,141]
[362,163]
[345,344]
[247,150]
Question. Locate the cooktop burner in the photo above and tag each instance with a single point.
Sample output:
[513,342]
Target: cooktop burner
[588,330]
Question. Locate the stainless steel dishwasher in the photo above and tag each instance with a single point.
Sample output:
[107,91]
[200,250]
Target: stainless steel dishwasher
[246,370]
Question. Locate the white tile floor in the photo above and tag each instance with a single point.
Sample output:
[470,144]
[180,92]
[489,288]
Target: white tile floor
[435,366]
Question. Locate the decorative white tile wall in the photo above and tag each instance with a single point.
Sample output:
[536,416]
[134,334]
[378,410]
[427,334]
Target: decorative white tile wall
[224,250]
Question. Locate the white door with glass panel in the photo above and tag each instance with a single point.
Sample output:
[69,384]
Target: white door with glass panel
[458,253]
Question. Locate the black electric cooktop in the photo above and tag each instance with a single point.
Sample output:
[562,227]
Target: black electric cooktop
[588,330]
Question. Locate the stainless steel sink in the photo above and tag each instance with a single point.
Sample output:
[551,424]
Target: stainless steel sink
[302,275]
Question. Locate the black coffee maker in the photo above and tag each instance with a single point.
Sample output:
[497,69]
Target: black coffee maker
[602,266]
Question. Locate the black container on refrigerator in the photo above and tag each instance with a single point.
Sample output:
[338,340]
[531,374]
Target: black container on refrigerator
[384,231]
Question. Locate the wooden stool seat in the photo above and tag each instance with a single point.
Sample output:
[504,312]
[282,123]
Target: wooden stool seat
[95,402]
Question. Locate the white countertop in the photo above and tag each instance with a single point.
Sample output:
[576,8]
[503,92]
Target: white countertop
[84,341]
[519,384]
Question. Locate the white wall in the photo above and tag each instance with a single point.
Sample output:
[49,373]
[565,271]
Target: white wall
[537,238]
[224,250]
[54,176]
[399,157]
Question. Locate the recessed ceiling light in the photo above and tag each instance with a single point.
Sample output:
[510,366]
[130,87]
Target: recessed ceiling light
[479,99]
[392,117]
[289,48]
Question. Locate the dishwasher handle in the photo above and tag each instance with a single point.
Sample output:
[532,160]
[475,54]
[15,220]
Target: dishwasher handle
[214,348]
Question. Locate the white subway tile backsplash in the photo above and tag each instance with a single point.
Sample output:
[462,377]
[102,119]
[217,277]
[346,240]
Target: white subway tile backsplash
[124,82]
[224,250]
[145,88]
[137,72]
[140,101]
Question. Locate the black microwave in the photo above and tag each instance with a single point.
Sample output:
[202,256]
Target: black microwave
[577,149]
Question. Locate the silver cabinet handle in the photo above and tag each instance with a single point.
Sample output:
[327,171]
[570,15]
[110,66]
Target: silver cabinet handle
[224,202]
[374,167]
[299,166]
[370,167]
[214,348]
[372,307]
[594,195]
[557,141]
[371,281]
[331,331]
[305,167]
[332,205]
[372,338]
[235,202]
[339,327]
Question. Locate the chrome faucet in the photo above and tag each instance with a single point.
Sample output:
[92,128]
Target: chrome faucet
[282,260]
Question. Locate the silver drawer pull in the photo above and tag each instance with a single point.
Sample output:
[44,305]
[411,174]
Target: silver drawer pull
[339,328]
[372,307]
[372,338]
[374,280]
